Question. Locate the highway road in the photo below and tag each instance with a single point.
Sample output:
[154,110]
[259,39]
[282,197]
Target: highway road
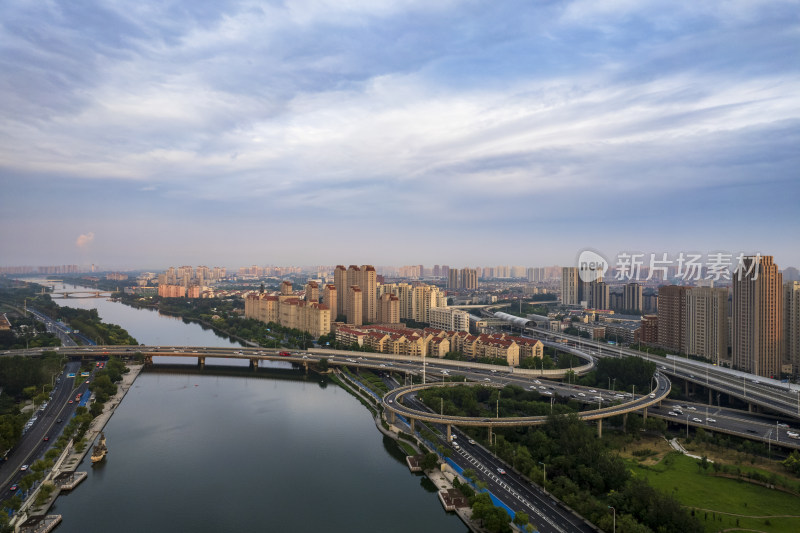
[32,445]
[783,398]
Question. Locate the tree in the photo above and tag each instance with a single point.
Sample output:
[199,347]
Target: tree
[429,461]
[521,518]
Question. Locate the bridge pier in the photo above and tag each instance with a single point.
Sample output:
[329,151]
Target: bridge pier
[644,414]
[490,434]
[599,428]
[449,433]
[411,425]
[392,417]
[624,422]
[710,398]
[254,364]
[201,362]
[148,360]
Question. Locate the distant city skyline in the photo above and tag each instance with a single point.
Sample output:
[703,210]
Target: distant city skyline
[392,133]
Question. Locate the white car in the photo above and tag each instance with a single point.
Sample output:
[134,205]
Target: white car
[673,413]
[537,381]
[710,420]
[652,394]
[548,393]
[692,408]
[784,426]
[793,434]
[696,420]
[581,394]
[494,371]
[486,379]
[592,390]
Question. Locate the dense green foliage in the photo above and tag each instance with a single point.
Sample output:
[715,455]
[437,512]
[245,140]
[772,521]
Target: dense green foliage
[582,470]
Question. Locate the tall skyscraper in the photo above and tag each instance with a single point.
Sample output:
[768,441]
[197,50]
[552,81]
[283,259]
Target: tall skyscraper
[672,317]
[707,323]
[791,324]
[598,294]
[757,320]
[367,282]
[330,298]
[569,286]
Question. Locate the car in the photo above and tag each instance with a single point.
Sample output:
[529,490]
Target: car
[390,401]
[71,401]
[537,381]
[46,438]
[793,434]
[581,394]
[384,366]
[753,431]
[456,446]
[87,381]
[696,420]
[306,357]
[592,390]
[471,441]
[692,408]
[673,413]
[486,379]
[691,375]
[501,471]
[494,371]
[58,421]
[13,488]
[782,425]
[662,367]
[652,394]
[23,468]
[710,420]
[548,393]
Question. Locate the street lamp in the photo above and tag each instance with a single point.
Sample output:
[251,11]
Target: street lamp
[544,476]
[687,426]
[615,518]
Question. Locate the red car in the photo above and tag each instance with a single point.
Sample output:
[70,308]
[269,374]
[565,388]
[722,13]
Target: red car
[284,354]
[46,439]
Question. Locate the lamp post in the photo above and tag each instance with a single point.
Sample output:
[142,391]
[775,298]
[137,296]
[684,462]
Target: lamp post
[544,476]
[494,445]
[687,426]
[615,518]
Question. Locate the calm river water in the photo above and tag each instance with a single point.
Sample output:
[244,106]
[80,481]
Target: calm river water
[227,451]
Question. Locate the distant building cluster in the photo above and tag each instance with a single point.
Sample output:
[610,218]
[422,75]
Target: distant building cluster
[188,282]
[57,269]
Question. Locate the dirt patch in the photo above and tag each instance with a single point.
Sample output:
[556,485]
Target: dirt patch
[637,449]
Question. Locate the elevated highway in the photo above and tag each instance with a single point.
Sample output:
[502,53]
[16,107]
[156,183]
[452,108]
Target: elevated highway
[392,402]
[756,391]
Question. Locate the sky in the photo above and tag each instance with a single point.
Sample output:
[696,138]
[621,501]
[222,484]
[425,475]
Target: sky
[154,133]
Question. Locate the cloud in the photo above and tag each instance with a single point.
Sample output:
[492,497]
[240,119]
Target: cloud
[84,240]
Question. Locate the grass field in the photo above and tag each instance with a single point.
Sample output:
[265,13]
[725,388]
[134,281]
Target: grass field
[761,508]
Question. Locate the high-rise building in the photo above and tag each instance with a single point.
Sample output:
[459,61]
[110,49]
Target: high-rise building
[312,292]
[354,301]
[757,321]
[672,317]
[424,298]
[469,278]
[791,324]
[633,297]
[569,286]
[286,288]
[707,323]
[452,279]
[368,282]
[330,299]
[598,294]
[449,319]
[340,281]
[388,309]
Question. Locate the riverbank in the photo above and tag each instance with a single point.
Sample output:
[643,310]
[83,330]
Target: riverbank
[442,479]
[71,458]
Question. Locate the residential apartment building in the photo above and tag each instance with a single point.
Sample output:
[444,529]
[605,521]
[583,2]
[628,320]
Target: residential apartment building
[288,311]
[569,286]
[707,323]
[672,317]
[448,319]
[757,320]
[791,324]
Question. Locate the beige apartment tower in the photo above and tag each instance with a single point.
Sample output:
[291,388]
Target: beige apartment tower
[757,320]
[632,298]
[672,317]
[340,282]
[330,299]
[791,324]
[707,323]
[569,286]
[469,278]
[354,301]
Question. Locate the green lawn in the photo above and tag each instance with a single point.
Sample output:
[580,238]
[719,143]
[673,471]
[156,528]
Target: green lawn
[680,476]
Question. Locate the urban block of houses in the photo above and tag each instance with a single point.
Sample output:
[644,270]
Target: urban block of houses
[432,342]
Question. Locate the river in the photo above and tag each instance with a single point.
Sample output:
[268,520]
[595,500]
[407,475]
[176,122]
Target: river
[226,450]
